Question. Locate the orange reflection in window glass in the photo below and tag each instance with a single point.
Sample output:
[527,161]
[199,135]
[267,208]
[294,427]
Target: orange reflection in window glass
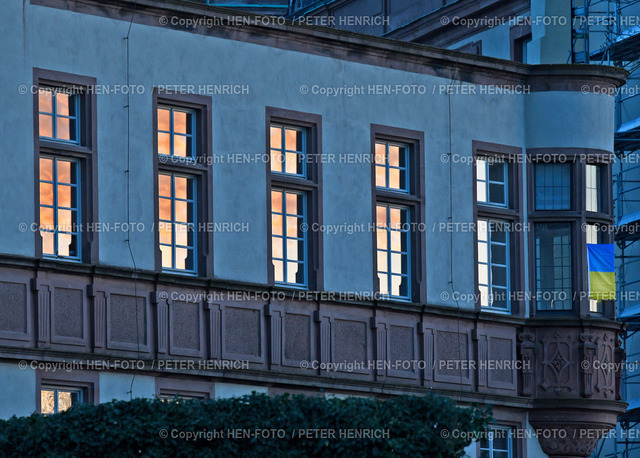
[291,140]
[180,122]
[47,242]
[275,135]
[181,187]
[164,143]
[62,104]
[45,101]
[166,256]
[46,125]
[276,201]
[64,244]
[64,171]
[164,119]
[46,194]
[292,204]
[164,185]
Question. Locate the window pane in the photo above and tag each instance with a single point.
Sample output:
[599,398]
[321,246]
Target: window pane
[164,185]
[553,266]
[175,132]
[380,154]
[64,196]
[278,271]
[391,166]
[382,261]
[553,186]
[593,237]
[46,169]
[491,182]
[292,250]
[46,195]
[164,119]
[277,227]
[289,158]
[164,143]
[392,241]
[494,274]
[165,209]
[62,104]
[497,194]
[167,262]
[497,172]
[48,242]
[293,140]
[65,247]
[182,234]
[63,128]
[292,226]
[592,188]
[47,402]
[384,283]
[275,137]
[394,179]
[46,125]
[45,101]
[67,399]
[64,171]
[276,160]
[180,145]
[394,155]
[182,190]
[59,207]
[166,231]
[291,163]
[180,122]
[277,250]
[177,215]
[276,201]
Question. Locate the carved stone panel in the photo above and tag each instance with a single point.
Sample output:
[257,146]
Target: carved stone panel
[14,311]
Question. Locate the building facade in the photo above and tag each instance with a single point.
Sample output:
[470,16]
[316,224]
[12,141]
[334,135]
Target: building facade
[205,203]
[542,32]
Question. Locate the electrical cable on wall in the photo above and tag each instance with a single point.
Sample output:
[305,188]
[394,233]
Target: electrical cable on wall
[128,174]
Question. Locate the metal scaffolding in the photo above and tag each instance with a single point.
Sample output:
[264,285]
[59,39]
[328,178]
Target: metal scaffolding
[600,34]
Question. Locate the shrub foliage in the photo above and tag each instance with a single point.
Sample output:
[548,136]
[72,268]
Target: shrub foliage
[250,426]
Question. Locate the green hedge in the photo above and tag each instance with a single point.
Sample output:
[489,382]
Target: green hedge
[399,426]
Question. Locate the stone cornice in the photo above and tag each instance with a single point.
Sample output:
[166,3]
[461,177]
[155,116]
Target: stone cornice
[349,46]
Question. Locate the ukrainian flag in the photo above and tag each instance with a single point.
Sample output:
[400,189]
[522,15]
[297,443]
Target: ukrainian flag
[602,277]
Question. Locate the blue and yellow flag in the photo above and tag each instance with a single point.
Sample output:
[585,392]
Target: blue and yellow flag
[602,277]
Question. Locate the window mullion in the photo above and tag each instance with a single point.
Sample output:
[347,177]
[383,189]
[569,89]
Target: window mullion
[173,222]
[54,115]
[55,401]
[55,207]
[284,236]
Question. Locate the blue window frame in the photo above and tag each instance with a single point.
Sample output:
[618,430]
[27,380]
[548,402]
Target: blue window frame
[392,163]
[592,188]
[553,266]
[60,208]
[177,216]
[393,250]
[492,178]
[288,150]
[553,186]
[498,443]
[593,235]
[176,129]
[56,400]
[289,237]
[494,271]
[58,115]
